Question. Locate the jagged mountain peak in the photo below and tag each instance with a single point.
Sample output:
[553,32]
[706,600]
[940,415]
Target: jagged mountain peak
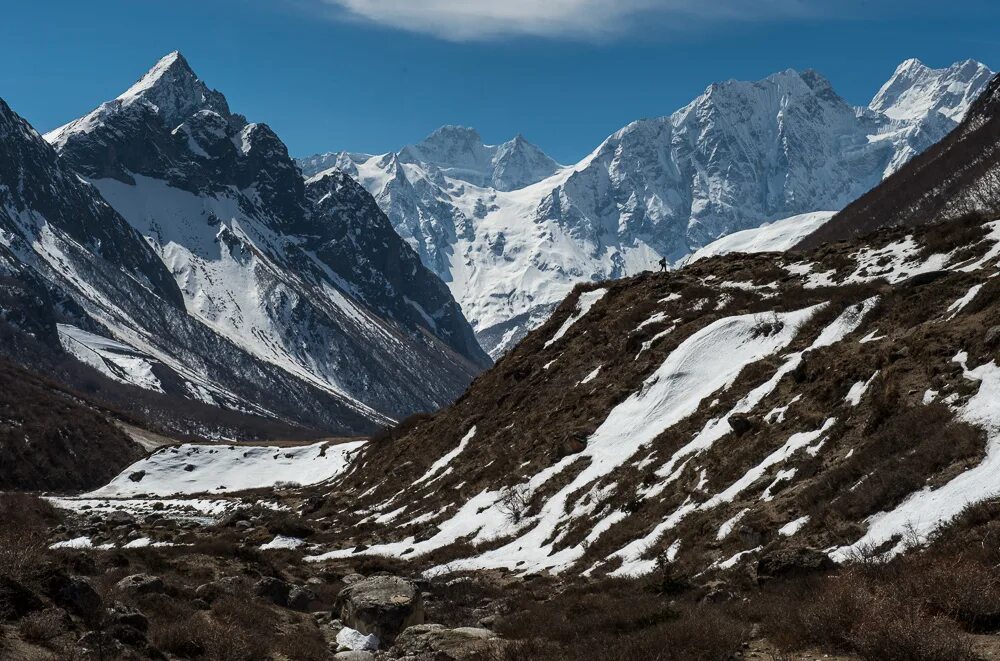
[449,135]
[175,90]
[214,194]
[915,91]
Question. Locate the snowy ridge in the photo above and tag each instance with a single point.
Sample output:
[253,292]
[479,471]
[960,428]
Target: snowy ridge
[769,237]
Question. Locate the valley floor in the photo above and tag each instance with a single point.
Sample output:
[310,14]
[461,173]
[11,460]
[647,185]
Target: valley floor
[227,578]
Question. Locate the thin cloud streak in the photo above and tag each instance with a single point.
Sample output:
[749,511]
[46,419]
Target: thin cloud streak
[473,20]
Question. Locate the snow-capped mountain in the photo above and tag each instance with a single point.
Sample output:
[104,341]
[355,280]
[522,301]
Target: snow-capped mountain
[304,302]
[959,176]
[741,154]
[459,153]
[78,278]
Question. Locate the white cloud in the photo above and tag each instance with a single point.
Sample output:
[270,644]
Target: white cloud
[463,20]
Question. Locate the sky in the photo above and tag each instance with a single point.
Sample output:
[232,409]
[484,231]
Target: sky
[374,75]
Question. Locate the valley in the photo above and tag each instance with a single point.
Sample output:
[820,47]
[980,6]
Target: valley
[444,404]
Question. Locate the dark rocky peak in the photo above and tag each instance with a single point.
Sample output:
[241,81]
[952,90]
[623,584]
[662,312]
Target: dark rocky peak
[176,92]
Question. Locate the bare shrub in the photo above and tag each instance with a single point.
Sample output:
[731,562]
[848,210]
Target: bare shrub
[42,626]
[24,533]
[514,502]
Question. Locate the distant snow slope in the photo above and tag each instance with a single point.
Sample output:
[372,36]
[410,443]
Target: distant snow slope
[741,154]
[192,469]
[769,237]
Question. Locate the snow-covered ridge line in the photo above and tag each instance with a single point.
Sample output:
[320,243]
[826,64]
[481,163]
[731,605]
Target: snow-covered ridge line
[658,188]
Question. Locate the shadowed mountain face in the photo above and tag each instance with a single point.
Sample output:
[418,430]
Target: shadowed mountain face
[190,261]
[511,232]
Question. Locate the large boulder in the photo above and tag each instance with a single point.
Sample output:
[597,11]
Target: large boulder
[381,605]
[141,584]
[792,562]
[229,585]
[273,589]
[300,598]
[74,593]
[435,641]
[354,641]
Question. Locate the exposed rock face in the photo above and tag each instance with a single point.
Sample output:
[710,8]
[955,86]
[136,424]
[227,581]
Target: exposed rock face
[786,562]
[141,584]
[381,605]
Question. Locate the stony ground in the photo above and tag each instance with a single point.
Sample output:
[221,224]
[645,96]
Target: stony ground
[218,580]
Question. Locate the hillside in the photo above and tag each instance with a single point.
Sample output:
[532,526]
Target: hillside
[766,456]
[51,440]
[712,416]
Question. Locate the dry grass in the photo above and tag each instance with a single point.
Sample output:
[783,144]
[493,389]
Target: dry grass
[618,620]
[24,533]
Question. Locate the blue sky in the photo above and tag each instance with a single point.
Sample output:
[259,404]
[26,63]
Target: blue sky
[373,75]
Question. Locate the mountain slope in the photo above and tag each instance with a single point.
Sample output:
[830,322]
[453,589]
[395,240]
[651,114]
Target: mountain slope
[262,265]
[52,441]
[78,278]
[739,407]
[743,411]
[739,155]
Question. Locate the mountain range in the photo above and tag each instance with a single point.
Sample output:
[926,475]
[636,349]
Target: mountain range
[511,231]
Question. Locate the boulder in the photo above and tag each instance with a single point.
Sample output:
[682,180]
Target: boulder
[229,585]
[74,593]
[141,584]
[992,336]
[273,589]
[741,423]
[299,598]
[381,605]
[792,561]
[434,640]
[119,517]
[352,578]
[123,615]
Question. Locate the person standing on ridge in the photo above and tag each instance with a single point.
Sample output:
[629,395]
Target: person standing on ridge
[663,264]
